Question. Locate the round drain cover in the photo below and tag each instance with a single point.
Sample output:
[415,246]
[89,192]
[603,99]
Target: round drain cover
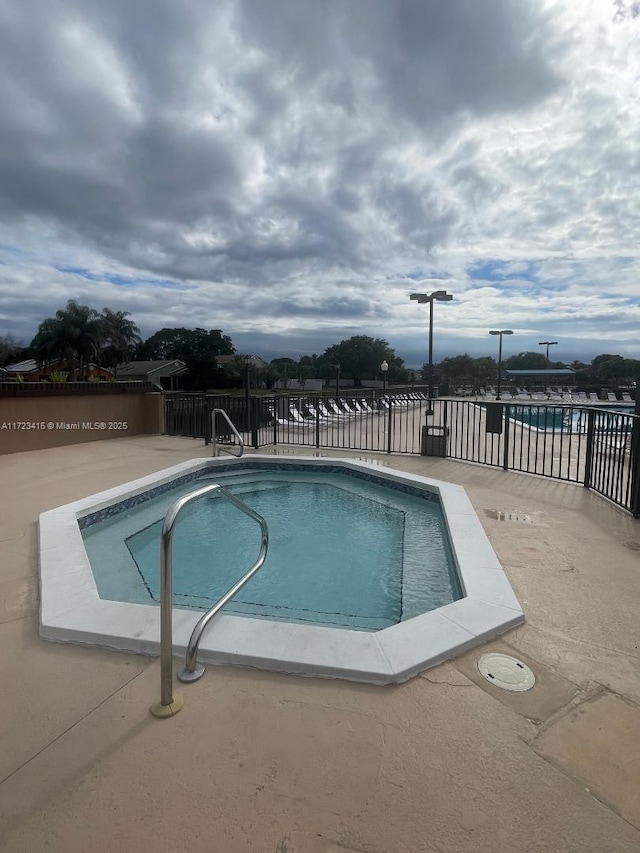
[506,672]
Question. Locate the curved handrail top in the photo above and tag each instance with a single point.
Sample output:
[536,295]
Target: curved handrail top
[179,503]
[233,429]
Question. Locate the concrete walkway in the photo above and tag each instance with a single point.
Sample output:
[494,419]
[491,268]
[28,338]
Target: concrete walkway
[446,763]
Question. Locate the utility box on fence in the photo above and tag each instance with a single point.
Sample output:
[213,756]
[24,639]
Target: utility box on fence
[494,418]
[434,441]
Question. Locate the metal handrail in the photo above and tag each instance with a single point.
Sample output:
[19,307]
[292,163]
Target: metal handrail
[215,446]
[169,703]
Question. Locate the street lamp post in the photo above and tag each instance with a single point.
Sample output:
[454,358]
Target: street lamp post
[500,332]
[247,384]
[247,378]
[337,381]
[384,367]
[422,298]
[547,344]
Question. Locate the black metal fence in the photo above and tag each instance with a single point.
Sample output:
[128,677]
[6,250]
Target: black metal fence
[595,447]
[591,446]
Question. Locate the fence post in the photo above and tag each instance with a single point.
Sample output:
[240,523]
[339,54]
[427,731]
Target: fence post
[317,407]
[634,460]
[445,425]
[169,408]
[208,408]
[588,461]
[253,404]
[276,415]
[505,445]
[389,424]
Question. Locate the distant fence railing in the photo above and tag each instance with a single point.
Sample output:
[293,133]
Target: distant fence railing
[73,389]
[589,445]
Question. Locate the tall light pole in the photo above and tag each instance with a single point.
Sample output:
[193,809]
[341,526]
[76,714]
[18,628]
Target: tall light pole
[247,362]
[247,386]
[422,298]
[547,344]
[500,332]
[383,368]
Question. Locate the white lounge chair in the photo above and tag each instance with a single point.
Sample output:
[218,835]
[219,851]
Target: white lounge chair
[317,413]
[281,421]
[296,415]
[348,407]
[334,409]
[331,415]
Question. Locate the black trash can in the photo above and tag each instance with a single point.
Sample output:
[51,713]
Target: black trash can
[434,441]
[494,418]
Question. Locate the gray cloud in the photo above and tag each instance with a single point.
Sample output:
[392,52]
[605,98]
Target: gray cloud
[293,158]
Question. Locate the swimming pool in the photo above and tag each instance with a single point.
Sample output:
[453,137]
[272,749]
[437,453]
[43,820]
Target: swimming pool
[344,551]
[72,609]
[573,419]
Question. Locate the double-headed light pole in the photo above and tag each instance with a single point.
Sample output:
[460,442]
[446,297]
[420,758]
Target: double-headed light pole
[422,298]
[547,344]
[500,332]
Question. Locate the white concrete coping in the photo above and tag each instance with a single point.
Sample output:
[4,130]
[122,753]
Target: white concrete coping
[72,611]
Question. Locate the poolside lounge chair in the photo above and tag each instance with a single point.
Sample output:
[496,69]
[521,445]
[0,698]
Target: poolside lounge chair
[626,397]
[281,421]
[331,415]
[593,397]
[334,409]
[316,413]
[611,397]
[348,407]
[296,415]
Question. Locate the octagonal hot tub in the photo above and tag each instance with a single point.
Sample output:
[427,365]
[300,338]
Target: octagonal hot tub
[374,575]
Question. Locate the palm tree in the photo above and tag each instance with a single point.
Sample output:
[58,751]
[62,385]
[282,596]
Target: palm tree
[75,333]
[119,335]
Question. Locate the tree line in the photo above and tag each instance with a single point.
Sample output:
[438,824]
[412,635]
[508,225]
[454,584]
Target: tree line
[80,335]
[606,369]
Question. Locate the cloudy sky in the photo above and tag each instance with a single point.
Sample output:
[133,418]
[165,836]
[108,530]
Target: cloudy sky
[290,171]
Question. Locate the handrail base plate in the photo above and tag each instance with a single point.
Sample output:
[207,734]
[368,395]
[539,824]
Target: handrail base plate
[186,677]
[163,711]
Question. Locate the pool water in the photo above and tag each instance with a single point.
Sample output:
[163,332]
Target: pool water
[343,551]
[571,419]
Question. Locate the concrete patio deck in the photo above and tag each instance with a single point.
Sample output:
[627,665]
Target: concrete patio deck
[445,763]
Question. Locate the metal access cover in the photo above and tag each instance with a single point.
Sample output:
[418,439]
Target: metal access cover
[506,672]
